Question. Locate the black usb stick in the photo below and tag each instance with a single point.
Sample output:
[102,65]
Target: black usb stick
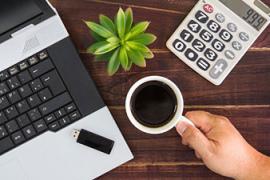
[94,141]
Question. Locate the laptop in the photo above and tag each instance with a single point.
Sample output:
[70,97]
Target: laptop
[46,93]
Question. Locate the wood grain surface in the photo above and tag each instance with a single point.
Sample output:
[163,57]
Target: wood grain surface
[244,97]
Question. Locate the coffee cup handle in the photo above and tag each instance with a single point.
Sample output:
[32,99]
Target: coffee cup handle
[185,119]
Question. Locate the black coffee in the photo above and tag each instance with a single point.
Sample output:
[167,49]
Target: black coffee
[154,104]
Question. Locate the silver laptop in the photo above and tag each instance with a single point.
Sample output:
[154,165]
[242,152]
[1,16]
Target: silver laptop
[45,93]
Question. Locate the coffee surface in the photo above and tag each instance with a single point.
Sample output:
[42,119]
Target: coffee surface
[154,104]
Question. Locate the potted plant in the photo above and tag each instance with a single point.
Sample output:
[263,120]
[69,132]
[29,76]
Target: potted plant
[121,42]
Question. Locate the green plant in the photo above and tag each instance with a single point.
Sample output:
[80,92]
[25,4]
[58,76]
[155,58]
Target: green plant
[121,42]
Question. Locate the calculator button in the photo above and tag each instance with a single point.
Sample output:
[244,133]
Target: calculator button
[210,54]
[220,18]
[213,26]
[203,64]
[218,45]
[208,8]
[229,54]
[201,16]
[191,55]
[244,36]
[194,26]
[179,45]
[206,36]
[225,35]
[198,45]
[237,45]
[218,69]
[232,27]
[186,36]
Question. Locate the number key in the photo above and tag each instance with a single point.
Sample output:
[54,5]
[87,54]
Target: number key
[201,16]
[218,45]
[194,26]
[210,55]
[179,45]
[186,36]
[206,36]
[191,55]
[213,26]
[198,45]
[225,35]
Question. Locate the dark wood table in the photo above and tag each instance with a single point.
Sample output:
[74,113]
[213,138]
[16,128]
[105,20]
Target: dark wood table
[244,97]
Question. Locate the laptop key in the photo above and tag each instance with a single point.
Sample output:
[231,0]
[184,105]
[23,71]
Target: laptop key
[50,118]
[13,82]
[4,75]
[24,77]
[34,114]
[40,126]
[41,68]
[22,106]
[3,132]
[34,100]
[23,65]
[3,88]
[5,145]
[55,103]
[3,118]
[23,120]
[11,112]
[29,132]
[18,137]
[36,85]
[75,116]
[54,126]
[13,97]
[60,113]
[64,121]
[43,55]
[54,82]
[12,126]
[70,108]
[45,94]
[13,70]
[3,102]
[25,91]
[33,60]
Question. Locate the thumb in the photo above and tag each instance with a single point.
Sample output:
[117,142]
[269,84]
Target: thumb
[194,138]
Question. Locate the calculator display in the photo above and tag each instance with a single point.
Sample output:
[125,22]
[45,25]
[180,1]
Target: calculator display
[248,14]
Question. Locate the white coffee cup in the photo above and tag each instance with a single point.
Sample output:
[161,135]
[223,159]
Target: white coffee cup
[173,122]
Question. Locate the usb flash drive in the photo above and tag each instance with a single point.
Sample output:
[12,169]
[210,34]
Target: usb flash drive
[92,140]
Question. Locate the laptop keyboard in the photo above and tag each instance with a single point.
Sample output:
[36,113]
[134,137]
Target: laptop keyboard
[33,100]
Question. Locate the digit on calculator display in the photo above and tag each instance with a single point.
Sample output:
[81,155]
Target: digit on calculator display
[244,11]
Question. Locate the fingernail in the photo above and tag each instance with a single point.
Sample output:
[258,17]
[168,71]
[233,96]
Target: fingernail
[181,127]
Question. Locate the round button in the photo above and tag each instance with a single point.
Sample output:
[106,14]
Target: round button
[208,8]
[229,54]
[232,27]
[220,18]
[237,45]
[244,36]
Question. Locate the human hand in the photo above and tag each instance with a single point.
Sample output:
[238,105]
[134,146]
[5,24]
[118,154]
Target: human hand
[222,148]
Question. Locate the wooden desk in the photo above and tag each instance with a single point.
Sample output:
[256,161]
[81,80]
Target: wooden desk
[244,97]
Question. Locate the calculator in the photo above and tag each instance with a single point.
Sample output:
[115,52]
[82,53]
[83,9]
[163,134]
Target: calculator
[216,34]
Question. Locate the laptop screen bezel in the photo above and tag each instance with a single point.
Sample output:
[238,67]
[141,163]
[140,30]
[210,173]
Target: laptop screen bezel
[47,12]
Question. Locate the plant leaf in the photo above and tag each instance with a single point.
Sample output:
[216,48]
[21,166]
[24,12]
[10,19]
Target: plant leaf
[145,38]
[106,48]
[121,23]
[107,23]
[129,19]
[137,46]
[113,40]
[129,65]
[114,63]
[104,57]
[148,55]
[96,36]
[137,29]
[137,58]
[100,30]
[123,58]
[92,49]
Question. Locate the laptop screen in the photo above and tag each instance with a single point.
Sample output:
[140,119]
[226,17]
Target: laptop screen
[16,12]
